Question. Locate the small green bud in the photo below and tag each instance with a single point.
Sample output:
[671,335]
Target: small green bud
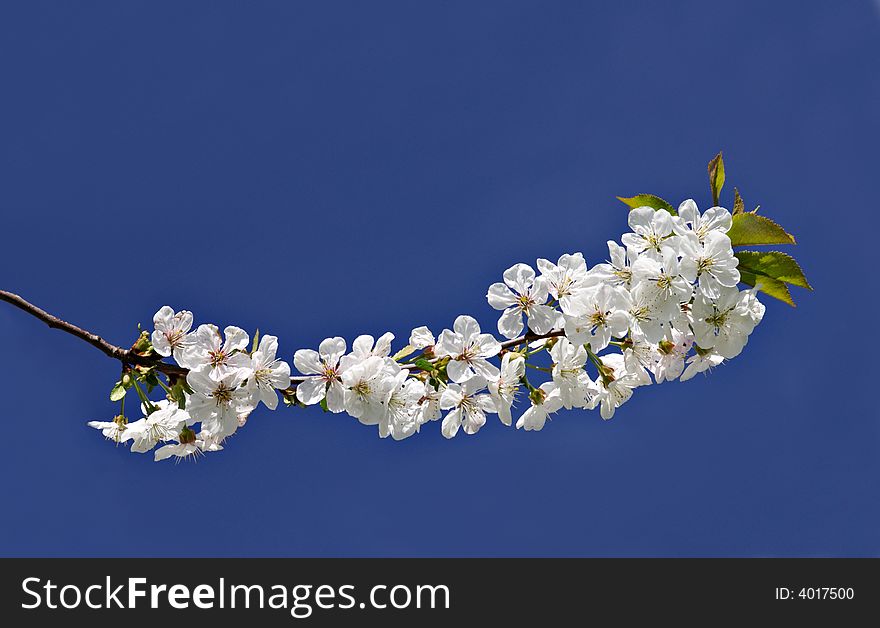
[142,345]
[186,436]
[666,346]
[537,396]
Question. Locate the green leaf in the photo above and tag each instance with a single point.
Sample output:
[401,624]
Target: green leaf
[716,177]
[151,380]
[738,206]
[324,405]
[256,341]
[423,364]
[647,200]
[751,228]
[773,264]
[772,287]
[117,392]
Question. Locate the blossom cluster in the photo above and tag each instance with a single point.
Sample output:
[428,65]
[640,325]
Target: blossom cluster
[225,383]
[664,306]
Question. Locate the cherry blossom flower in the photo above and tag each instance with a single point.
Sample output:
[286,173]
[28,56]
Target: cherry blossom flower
[203,443]
[267,372]
[116,430]
[366,346]
[701,362]
[651,228]
[503,388]
[467,406]
[573,382]
[217,358]
[468,349]
[171,329]
[421,338]
[661,279]
[615,386]
[690,221]
[521,294]
[324,365]
[596,316]
[365,388]
[567,277]
[616,272]
[671,354]
[164,424]
[218,404]
[723,324]
[545,401]
[429,404]
[401,407]
[711,263]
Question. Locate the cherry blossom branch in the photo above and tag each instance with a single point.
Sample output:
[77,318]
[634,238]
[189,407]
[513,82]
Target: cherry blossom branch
[664,306]
[131,357]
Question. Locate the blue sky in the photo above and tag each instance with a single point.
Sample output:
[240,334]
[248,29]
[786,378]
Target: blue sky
[345,168]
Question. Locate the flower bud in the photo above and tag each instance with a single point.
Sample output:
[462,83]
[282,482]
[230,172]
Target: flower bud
[537,396]
[186,436]
[666,346]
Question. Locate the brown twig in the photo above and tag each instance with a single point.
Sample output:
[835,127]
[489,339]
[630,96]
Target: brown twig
[127,356]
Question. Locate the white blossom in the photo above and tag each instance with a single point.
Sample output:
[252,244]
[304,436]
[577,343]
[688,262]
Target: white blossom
[639,357]
[567,277]
[171,332]
[574,384]
[365,347]
[671,355]
[651,228]
[203,443]
[163,424]
[723,323]
[209,353]
[617,271]
[503,389]
[365,387]
[267,372]
[663,283]
[400,416]
[545,401]
[116,430]
[326,381]
[522,294]
[701,362]
[468,349]
[429,404]
[711,263]
[218,404]
[614,388]
[468,407]
[690,221]
[596,316]
[421,338]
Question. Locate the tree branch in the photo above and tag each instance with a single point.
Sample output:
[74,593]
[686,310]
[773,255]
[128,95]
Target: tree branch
[128,356]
